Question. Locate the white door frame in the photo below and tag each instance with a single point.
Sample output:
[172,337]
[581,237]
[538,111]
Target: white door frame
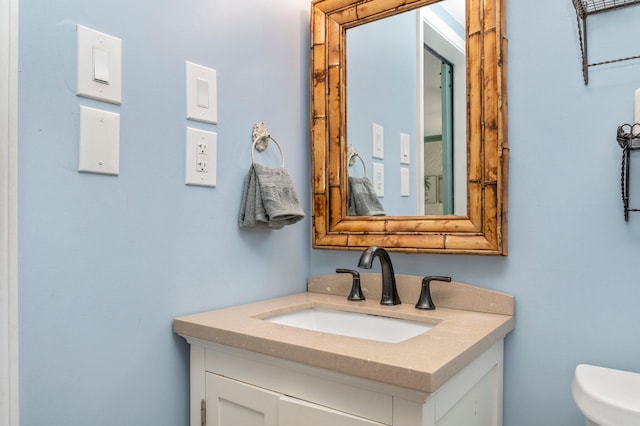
[9,213]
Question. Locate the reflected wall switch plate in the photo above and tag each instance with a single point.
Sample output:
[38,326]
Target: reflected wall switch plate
[378,179]
[377,141]
[202,104]
[404,181]
[201,156]
[99,66]
[99,141]
[404,149]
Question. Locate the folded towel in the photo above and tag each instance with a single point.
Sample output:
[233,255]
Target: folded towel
[269,199]
[363,200]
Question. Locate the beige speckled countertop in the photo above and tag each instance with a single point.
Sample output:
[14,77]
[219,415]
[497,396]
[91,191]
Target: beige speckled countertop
[469,321]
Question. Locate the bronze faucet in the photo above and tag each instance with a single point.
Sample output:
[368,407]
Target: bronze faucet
[389,290]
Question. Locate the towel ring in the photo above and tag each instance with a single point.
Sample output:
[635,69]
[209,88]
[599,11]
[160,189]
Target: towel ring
[261,138]
[352,161]
[265,141]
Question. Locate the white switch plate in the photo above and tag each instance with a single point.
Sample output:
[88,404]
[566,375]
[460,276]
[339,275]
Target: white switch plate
[377,141]
[99,66]
[99,141]
[404,149]
[201,158]
[378,179]
[202,90]
[404,181]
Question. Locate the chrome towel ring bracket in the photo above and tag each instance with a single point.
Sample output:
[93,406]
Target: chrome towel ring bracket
[352,154]
[261,138]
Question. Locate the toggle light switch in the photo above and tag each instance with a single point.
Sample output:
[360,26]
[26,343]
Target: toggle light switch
[99,66]
[377,141]
[201,94]
[404,148]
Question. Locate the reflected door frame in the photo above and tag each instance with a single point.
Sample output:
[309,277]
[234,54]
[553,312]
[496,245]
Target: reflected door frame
[459,169]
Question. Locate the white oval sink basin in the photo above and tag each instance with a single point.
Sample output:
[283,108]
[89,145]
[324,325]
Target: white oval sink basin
[353,324]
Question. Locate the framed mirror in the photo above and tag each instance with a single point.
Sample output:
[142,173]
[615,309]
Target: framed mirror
[476,217]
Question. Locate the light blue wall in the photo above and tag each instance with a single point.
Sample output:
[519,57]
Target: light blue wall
[572,258]
[381,75]
[105,263]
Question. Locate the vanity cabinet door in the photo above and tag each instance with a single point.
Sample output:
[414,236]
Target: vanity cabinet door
[233,403]
[294,412]
[477,404]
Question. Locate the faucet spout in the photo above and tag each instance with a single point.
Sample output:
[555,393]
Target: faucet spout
[389,289]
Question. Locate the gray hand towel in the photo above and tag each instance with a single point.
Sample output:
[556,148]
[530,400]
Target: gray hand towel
[363,200]
[269,199]
[252,211]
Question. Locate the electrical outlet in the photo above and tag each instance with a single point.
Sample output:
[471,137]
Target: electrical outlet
[202,163]
[203,148]
[200,158]
[378,179]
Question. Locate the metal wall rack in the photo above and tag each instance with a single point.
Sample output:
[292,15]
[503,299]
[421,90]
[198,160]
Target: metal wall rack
[585,8]
[628,137]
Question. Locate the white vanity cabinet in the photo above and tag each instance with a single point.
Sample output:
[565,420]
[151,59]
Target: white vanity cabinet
[236,387]
[246,371]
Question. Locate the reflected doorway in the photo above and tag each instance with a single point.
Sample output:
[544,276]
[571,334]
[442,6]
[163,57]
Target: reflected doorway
[438,133]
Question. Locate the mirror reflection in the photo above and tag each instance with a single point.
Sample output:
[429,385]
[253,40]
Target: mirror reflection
[406,113]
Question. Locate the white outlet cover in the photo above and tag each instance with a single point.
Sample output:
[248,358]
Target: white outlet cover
[99,66]
[99,141]
[378,179]
[202,104]
[201,147]
[404,182]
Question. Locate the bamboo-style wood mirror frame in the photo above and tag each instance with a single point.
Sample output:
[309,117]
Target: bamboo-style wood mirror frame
[483,229]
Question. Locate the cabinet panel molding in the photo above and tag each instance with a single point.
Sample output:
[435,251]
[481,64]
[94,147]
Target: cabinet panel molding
[294,412]
[232,403]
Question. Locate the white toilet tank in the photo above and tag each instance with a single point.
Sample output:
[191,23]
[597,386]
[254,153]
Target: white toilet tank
[607,397]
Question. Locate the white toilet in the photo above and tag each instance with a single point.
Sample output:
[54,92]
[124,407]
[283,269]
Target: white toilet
[607,397]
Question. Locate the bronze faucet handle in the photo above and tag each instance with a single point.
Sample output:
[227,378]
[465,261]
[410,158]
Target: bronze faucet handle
[425,301]
[356,294]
